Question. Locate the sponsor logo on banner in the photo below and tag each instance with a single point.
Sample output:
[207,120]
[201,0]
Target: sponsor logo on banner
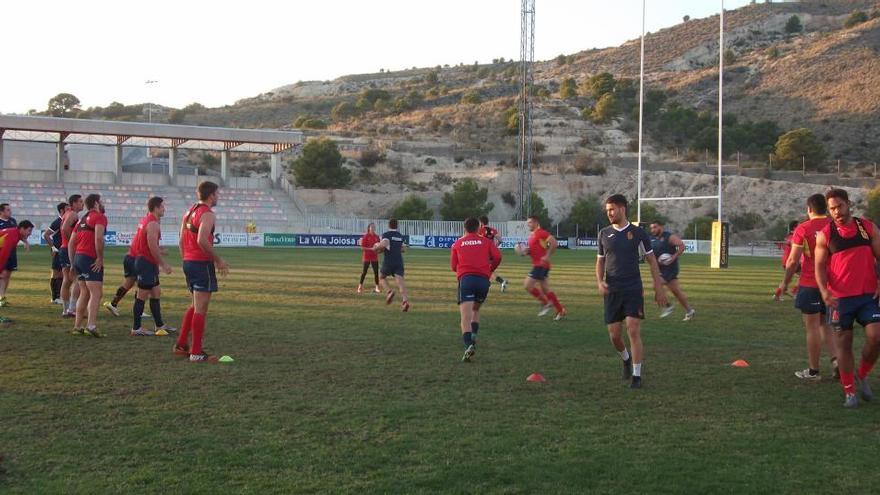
[417,240]
[562,243]
[588,242]
[36,238]
[124,238]
[511,242]
[227,239]
[278,240]
[110,238]
[440,241]
[690,246]
[255,240]
[316,240]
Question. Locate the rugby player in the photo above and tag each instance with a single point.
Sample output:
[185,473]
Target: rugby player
[9,238]
[492,234]
[369,257]
[11,265]
[542,245]
[620,283]
[200,264]
[87,246]
[148,260]
[69,289]
[393,246]
[664,242]
[52,236]
[808,299]
[473,259]
[846,250]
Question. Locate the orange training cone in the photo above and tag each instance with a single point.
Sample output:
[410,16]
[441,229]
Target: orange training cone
[740,363]
[536,377]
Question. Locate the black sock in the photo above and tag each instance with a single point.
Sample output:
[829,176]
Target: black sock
[499,280]
[814,372]
[120,293]
[156,310]
[468,339]
[138,310]
[55,287]
[58,283]
[475,327]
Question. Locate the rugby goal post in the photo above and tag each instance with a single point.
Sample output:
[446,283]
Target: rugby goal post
[720,230]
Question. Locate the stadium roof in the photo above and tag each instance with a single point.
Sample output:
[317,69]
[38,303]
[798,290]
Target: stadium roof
[111,133]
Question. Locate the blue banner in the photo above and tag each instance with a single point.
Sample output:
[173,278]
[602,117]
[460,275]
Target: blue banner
[588,242]
[440,241]
[319,240]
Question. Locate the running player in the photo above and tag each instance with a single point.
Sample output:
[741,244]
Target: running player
[809,299]
[9,238]
[393,245]
[369,257]
[473,259]
[87,245]
[200,263]
[11,265]
[620,283]
[492,234]
[69,289]
[663,242]
[52,236]
[846,250]
[542,245]
[148,259]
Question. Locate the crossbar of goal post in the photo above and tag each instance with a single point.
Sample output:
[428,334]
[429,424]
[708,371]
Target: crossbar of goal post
[719,230]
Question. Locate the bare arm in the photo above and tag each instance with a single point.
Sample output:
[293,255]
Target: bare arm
[679,246]
[600,275]
[180,236]
[659,293]
[551,248]
[99,248]
[383,244]
[67,225]
[821,253]
[791,267]
[153,232]
[206,227]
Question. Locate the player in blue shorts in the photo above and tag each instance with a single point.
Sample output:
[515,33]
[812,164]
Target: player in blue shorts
[668,247]
[6,222]
[393,246]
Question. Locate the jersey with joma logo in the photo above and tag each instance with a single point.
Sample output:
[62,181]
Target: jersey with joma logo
[394,253]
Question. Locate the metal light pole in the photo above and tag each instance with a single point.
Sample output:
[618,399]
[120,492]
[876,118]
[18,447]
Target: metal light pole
[150,82]
[720,103]
[641,118]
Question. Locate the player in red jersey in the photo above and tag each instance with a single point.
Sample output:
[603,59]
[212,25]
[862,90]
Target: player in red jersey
[542,245]
[9,238]
[809,298]
[846,252]
[69,289]
[200,263]
[369,257]
[787,243]
[87,250]
[148,260]
[493,235]
[473,259]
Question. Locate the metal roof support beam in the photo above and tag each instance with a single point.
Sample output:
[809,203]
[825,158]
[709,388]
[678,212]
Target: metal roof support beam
[228,145]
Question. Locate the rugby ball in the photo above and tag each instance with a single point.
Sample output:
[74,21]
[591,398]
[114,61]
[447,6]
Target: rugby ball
[376,247]
[665,259]
[521,248]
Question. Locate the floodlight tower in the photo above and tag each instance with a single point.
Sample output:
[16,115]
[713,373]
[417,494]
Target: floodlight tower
[527,59]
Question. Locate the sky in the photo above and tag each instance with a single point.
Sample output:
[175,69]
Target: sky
[218,52]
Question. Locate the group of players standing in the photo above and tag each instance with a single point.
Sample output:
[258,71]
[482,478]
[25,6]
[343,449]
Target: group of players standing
[77,281]
[475,257]
[837,256]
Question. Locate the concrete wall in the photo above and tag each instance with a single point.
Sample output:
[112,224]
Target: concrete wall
[28,175]
[145,179]
[18,155]
[249,183]
[85,177]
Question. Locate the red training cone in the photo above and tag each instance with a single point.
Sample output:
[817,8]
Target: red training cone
[536,377]
[740,363]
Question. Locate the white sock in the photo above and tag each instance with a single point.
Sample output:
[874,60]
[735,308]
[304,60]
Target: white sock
[64,303]
[637,369]
[624,354]
[72,307]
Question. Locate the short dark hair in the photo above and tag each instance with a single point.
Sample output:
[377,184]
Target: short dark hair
[471,225]
[3,206]
[840,194]
[484,220]
[61,206]
[205,189]
[73,199]
[25,224]
[154,203]
[535,218]
[92,200]
[617,199]
[658,222]
[817,203]
[392,224]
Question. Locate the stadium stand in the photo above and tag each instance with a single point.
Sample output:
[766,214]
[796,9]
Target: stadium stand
[269,210]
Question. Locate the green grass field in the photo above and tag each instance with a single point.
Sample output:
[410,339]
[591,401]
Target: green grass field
[334,392]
